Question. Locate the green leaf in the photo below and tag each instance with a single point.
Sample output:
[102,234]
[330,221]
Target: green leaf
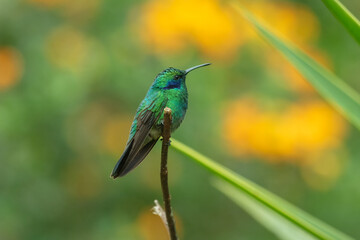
[274,222]
[350,22]
[333,89]
[261,196]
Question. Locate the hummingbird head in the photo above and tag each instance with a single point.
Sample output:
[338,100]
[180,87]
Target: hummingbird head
[172,78]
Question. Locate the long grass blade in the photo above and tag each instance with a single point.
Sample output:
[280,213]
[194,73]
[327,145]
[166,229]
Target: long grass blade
[289,212]
[333,89]
[350,22]
[281,227]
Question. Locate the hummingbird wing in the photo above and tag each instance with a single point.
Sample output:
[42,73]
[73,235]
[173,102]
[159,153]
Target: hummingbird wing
[141,143]
[139,157]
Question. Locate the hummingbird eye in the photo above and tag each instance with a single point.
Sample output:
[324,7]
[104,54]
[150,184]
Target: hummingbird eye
[177,77]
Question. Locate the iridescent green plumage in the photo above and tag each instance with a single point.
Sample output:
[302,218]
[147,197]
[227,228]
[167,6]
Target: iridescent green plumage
[167,90]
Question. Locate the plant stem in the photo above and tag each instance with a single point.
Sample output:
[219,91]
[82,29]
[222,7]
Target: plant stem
[164,173]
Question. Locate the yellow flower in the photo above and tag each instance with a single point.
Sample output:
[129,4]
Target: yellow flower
[68,48]
[171,25]
[11,67]
[98,127]
[297,132]
[115,130]
[321,171]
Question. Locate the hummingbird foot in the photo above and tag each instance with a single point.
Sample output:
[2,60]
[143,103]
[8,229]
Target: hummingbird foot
[169,143]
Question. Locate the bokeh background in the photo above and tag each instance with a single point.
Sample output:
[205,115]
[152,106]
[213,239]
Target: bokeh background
[72,74]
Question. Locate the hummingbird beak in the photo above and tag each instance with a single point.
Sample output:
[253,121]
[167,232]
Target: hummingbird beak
[198,66]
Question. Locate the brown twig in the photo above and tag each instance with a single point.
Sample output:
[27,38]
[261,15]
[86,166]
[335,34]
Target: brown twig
[164,173]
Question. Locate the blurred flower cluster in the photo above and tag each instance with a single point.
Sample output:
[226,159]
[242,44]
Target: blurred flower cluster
[296,132]
[309,134]
[173,25]
[11,67]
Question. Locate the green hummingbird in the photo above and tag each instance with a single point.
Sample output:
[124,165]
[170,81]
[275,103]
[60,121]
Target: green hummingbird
[168,90]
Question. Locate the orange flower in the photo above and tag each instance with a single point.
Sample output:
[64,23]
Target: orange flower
[11,67]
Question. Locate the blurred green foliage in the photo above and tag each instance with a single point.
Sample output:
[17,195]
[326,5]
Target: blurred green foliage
[71,77]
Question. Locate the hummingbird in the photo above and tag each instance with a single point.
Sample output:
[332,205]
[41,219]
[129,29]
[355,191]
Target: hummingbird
[168,90]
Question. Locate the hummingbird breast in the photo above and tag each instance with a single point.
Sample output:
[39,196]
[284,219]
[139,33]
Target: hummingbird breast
[177,101]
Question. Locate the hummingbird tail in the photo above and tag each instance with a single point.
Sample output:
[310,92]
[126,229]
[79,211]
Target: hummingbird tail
[121,162]
[131,158]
